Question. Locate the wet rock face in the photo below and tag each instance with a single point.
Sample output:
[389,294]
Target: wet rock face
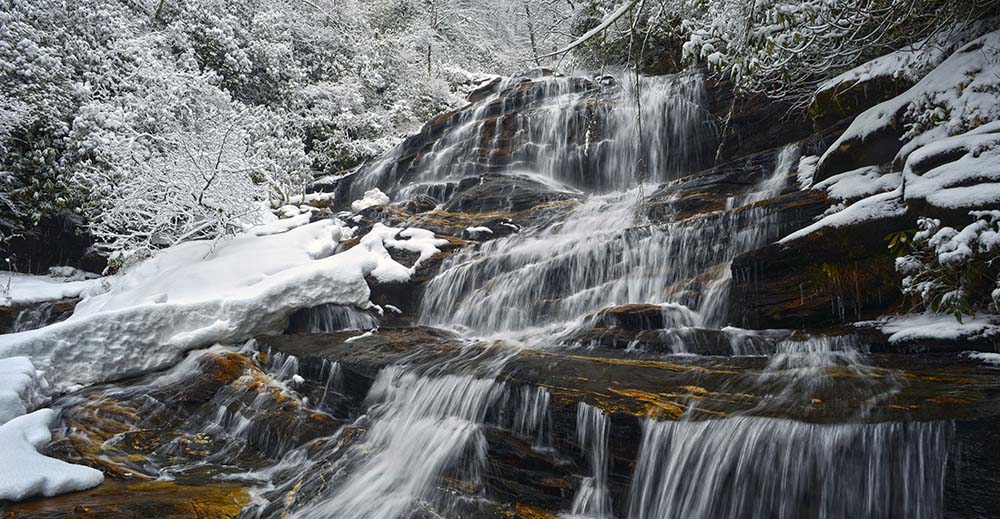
[833,276]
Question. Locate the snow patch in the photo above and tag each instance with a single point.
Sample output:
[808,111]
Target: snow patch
[988,358]
[27,473]
[28,289]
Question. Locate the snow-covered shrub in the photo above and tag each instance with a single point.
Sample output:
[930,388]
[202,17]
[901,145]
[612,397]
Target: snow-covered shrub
[954,271]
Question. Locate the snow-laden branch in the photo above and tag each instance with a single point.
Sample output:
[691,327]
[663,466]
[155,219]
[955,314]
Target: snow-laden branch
[612,18]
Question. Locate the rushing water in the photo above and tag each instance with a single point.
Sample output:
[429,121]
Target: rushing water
[750,467]
[592,499]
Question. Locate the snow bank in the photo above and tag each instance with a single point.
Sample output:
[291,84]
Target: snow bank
[27,289]
[27,473]
[372,198]
[200,293]
[910,327]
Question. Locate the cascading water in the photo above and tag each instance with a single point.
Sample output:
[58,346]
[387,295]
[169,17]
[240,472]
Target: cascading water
[331,318]
[748,467]
[606,252]
[592,499]
[419,427]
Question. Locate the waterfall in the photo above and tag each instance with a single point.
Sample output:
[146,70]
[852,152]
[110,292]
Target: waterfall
[748,467]
[606,252]
[419,427]
[565,129]
[531,416]
[592,499]
[331,318]
[602,255]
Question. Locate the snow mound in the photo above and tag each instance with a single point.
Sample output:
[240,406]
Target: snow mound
[372,198]
[203,292]
[28,473]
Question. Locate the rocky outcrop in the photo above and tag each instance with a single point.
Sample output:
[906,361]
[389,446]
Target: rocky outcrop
[832,276]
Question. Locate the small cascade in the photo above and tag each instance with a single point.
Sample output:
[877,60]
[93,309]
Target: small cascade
[531,416]
[39,315]
[771,186]
[749,467]
[603,255]
[592,500]
[331,318]
[642,131]
[419,427]
[567,130]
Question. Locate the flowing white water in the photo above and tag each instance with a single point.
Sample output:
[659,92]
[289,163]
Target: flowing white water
[749,467]
[419,427]
[331,318]
[564,129]
[592,500]
[606,252]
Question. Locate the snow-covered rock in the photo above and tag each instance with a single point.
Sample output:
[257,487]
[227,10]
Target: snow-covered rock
[960,94]
[914,327]
[372,198]
[19,289]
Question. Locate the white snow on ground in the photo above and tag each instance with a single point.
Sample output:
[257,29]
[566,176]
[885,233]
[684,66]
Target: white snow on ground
[909,327]
[200,293]
[882,205]
[27,289]
[862,182]
[372,198]
[27,473]
[988,358]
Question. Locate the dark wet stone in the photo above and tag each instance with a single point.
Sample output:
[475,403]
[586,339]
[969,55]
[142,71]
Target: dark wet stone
[833,276]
